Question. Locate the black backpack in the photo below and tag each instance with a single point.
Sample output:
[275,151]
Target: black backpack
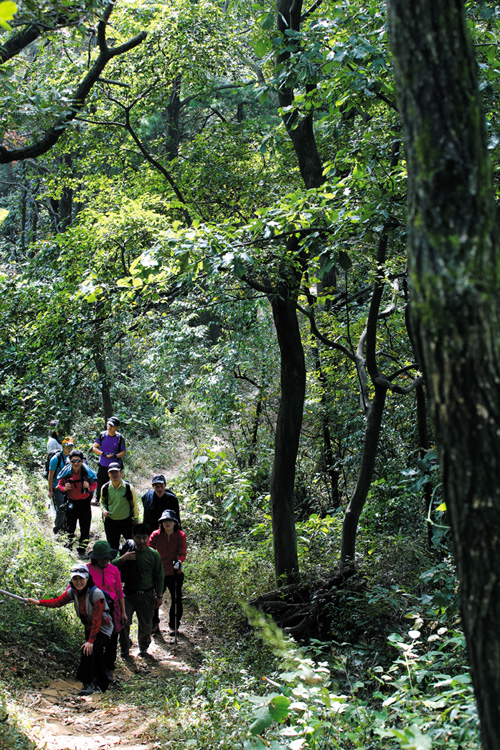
[128,495]
[130,575]
[49,459]
[83,478]
[107,597]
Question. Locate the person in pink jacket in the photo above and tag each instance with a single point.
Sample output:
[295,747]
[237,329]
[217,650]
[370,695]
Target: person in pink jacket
[107,577]
[170,542]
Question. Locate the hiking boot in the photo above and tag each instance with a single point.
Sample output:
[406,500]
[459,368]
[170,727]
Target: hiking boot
[110,675]
[87,689]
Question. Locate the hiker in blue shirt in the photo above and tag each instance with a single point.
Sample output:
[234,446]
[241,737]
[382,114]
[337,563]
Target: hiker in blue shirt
[58,461]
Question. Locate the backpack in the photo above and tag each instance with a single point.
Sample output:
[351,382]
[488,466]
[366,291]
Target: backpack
[129,572]
[49,458]
[128,495]
[121,440]
[107,599]
[84,477]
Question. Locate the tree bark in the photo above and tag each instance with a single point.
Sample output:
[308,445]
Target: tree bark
[293,372]
[357,501]
[454,274]
[293,381]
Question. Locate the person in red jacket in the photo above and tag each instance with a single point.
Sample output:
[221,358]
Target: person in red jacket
[91,607]
[170,542]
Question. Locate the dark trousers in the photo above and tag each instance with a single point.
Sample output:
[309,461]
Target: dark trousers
[102,478]
[143,605]
[60,519]
[110,651]
[92,668]
[79,511]
[174,586]
[115,529]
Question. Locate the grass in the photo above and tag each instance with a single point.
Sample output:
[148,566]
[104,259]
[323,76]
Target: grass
[393,674]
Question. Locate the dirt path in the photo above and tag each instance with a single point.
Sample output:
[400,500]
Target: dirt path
[59,719]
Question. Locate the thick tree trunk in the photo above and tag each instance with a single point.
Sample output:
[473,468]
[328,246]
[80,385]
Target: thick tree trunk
[293,373]
[172,132]
[293,383]
[454,272]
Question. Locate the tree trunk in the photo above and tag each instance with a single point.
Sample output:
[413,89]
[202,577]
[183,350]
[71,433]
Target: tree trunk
[454,273]
[100,364]
[293,372]
[172,132]
[293,383]
[358,499]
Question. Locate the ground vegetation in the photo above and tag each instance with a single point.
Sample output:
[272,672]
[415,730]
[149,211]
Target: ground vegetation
[220,244]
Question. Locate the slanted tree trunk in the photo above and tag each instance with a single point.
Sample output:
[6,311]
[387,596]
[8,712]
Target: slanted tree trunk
[368,456]
[454,268]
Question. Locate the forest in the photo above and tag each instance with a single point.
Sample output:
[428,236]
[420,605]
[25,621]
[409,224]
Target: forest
[264,234]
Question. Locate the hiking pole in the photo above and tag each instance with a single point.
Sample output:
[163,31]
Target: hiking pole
[14,596]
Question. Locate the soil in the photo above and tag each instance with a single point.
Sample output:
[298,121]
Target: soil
[60,719]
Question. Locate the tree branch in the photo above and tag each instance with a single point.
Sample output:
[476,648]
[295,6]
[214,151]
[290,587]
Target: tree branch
[60,125]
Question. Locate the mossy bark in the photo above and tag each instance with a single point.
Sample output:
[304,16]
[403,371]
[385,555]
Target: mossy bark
[454,274]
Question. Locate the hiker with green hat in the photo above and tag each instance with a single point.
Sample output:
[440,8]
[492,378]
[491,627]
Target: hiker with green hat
[107,577]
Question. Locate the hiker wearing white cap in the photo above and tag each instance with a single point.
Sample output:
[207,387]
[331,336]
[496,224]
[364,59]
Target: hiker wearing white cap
[92,609]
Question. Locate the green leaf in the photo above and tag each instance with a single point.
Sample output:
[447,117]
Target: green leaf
[344,260]
[7,11]
[279,708]
[262,47]
[262,722]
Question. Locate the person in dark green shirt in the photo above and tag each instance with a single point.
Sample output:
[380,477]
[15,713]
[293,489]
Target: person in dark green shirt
[142,575]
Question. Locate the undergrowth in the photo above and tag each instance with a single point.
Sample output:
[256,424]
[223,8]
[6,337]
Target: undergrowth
[392,675]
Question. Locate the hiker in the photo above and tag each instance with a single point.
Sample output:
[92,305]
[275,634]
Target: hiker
[119,506]
[107,577]
[157,500]
[110,447]
[92,609]
[78,482]
[53,443]
[58,461]
[170,542]
[142,576]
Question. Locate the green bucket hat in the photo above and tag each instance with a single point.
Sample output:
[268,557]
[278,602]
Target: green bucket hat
[102,551]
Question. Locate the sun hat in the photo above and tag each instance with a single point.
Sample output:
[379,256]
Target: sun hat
[168,515]
[102,550]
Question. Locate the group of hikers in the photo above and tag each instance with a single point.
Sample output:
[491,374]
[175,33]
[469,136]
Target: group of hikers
[119,580]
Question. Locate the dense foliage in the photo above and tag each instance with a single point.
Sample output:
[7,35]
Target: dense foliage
[228,163]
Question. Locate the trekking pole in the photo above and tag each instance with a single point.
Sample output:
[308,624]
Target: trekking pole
[14,596]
